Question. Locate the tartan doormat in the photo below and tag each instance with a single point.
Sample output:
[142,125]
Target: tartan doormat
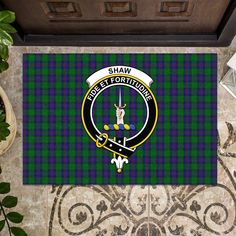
[119,118]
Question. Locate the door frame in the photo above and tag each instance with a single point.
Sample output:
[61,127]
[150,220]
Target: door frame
[221,38]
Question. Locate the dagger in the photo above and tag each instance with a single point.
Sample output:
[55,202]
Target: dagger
[120,101]
[120,110]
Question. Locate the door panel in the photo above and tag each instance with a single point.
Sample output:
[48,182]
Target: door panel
[118,17]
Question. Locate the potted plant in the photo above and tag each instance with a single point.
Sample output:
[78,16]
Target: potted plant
[8,217]
[7,116]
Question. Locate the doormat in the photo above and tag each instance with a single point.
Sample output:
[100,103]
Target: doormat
[119,118]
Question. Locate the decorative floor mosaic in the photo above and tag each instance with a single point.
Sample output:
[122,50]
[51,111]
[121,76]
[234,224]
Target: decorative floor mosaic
[126,210]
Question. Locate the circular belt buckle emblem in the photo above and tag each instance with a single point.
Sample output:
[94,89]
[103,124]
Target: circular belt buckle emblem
[100,138]
[121,77]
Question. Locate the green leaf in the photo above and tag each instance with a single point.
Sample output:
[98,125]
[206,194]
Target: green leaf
[5,38]
[4,52]
[9,201]
[4,188]
[7,16]
[18,231]
[2,224]
[7,27]
[3,66]
[4,125]
[2,116]
[4,131]
[15,217]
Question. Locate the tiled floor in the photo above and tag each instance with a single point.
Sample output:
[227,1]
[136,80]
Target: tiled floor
[125,210]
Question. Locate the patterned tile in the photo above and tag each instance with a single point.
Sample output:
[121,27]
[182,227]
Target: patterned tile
[97,210]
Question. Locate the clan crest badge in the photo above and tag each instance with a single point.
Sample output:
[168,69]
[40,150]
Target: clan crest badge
[119,145]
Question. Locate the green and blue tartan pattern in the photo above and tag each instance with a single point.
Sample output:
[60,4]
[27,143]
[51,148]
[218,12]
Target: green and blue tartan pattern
[182,149]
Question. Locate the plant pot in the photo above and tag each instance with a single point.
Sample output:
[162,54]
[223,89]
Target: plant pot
[11,120]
